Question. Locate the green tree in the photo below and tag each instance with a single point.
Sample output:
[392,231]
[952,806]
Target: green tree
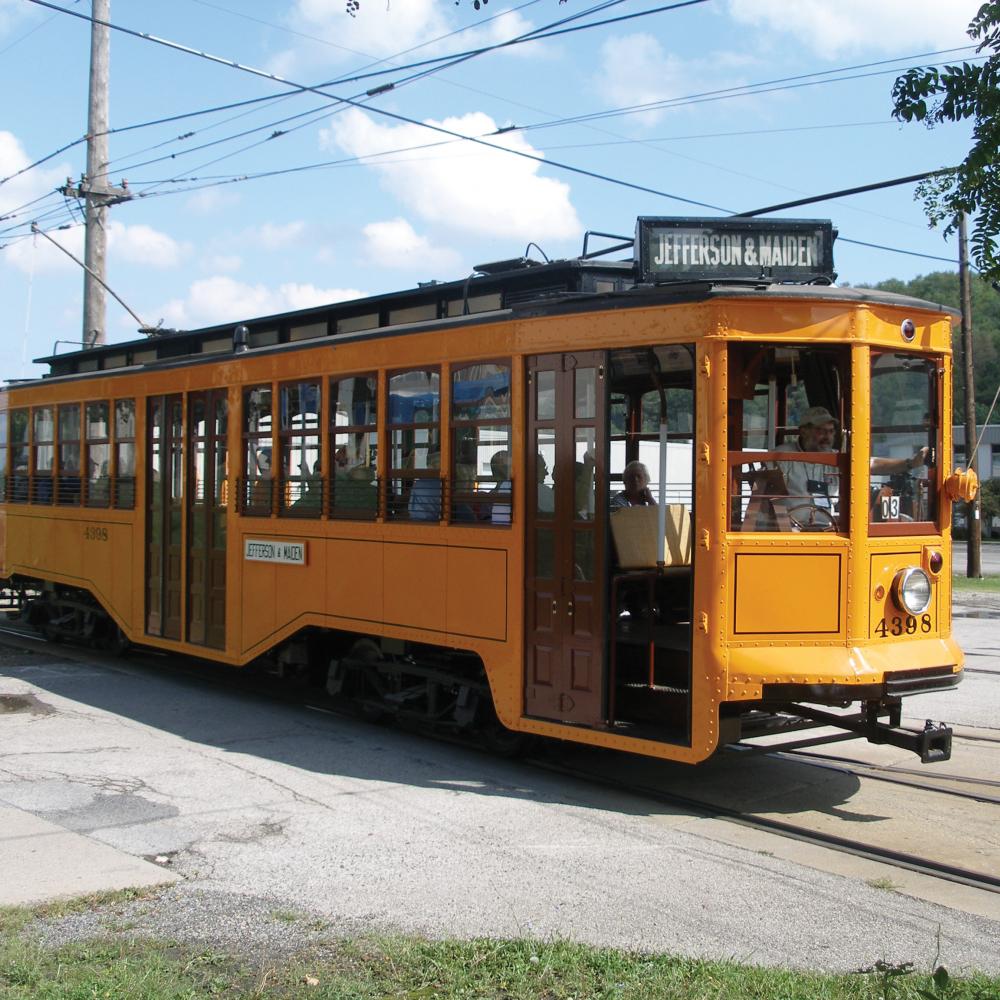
[957,93]
[989,494]
[942,287]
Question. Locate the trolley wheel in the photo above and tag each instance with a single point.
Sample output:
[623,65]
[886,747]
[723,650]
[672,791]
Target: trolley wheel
[500,740]
[116,642]
[368,651]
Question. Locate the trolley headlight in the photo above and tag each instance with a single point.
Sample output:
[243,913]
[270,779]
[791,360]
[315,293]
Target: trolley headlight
[911,590]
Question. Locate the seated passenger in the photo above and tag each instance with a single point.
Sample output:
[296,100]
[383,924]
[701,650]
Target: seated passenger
[546,495]
[425,493]
[498,511]
[635,479]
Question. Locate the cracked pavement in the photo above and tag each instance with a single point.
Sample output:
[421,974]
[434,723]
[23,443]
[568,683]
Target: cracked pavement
[265,805]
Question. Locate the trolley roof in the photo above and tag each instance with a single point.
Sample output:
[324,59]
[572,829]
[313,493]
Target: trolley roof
[677,260]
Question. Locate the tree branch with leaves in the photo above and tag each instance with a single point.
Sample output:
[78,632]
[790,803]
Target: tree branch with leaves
[958,93]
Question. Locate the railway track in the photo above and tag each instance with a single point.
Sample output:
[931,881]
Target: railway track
[265,685]
[845,845]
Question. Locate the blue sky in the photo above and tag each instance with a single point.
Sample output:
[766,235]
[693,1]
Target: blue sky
[358,201]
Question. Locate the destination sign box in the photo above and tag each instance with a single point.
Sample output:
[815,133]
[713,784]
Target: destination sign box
[745,249]
[268,550]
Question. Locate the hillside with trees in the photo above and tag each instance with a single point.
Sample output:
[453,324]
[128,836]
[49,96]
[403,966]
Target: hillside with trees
[942,287]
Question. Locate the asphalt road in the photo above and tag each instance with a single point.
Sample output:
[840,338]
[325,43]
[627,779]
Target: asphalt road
[989,557]
[268,808]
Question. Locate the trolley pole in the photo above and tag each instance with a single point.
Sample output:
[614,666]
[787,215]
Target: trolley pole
[973,567]
[93,187]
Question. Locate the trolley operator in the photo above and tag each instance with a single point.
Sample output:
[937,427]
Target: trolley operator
[817,432]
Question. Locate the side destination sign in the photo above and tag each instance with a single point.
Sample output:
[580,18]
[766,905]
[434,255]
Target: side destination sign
[685,249]
[263,550]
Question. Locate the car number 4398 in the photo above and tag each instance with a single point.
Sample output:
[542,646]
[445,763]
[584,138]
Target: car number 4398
[903,625]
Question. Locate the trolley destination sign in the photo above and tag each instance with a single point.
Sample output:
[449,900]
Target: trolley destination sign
[741,249]
[267,550]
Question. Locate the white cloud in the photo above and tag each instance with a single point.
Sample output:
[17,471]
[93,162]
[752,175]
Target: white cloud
[830,29]
[305,296]
[395,243]
[12,14]
[227,263]
[211,200]
[276,237]
[221,299]
[381,30]
[636,70]
[145,246]
[461,186]
[34,254]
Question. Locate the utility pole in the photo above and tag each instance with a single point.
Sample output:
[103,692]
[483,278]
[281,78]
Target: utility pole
[975,529]
[93,186]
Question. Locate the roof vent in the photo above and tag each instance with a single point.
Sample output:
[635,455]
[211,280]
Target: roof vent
[512,264]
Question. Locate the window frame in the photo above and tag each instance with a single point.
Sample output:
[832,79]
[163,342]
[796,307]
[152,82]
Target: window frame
[351,511]
[257,492]
[397,499]
[87,482]
[299,495]
[466,507]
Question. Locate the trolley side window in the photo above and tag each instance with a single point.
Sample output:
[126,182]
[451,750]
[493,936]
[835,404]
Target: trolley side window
[480,481]
[354,446]
[124,474]
[19,424]
[98,455]
[301,489]
[43,448]
[3,456]
[904,444]
[787,460]
[651,385]
[414,488]
[68,486]
[258,481]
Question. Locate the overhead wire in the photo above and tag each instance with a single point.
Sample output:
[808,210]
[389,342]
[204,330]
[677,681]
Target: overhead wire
[353,102]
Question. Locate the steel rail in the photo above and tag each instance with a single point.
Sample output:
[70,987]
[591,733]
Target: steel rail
[844,845]
[898,859]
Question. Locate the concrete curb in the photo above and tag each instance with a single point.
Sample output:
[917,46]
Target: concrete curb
[44,862]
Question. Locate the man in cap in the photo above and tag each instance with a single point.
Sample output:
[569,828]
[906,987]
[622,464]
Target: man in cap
[817,432]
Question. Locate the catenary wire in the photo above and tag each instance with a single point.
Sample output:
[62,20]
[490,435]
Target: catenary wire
[390,114]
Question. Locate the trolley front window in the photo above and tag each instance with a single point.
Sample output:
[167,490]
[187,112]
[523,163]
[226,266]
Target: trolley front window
[788,462]
[904,444]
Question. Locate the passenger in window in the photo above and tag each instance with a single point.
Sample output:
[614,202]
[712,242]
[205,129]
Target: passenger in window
[260,492]
[425,493]
[498,510]
[546,495]
[583,486]
[311,497]
[635,479]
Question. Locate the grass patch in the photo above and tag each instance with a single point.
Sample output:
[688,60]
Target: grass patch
[415,969]
[988,584]
[882,883]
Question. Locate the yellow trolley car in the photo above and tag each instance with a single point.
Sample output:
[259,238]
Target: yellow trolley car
[663,504]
